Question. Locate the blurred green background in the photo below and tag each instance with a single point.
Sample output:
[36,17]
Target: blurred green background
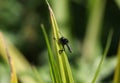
[86,23]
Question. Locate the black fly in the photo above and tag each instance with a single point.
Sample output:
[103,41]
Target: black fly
[64,42]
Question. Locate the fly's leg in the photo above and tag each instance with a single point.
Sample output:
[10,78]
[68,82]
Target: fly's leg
[69,48]
[60,51]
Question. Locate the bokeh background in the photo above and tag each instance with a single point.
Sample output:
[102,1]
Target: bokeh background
[86,23]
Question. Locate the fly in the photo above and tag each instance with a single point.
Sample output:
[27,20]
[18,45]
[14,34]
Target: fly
[64,41]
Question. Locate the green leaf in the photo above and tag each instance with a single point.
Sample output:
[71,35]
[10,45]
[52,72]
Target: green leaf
[61,59]
[117,71]
[104,56]
[118,3]
[53,67]
[13,75]
[22,66]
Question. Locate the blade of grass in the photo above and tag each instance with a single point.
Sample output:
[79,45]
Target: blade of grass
[61,59]
[95,13]
[117,71]
[53,68]
[22,66]
[103,57]
[57,47]
[13,76]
